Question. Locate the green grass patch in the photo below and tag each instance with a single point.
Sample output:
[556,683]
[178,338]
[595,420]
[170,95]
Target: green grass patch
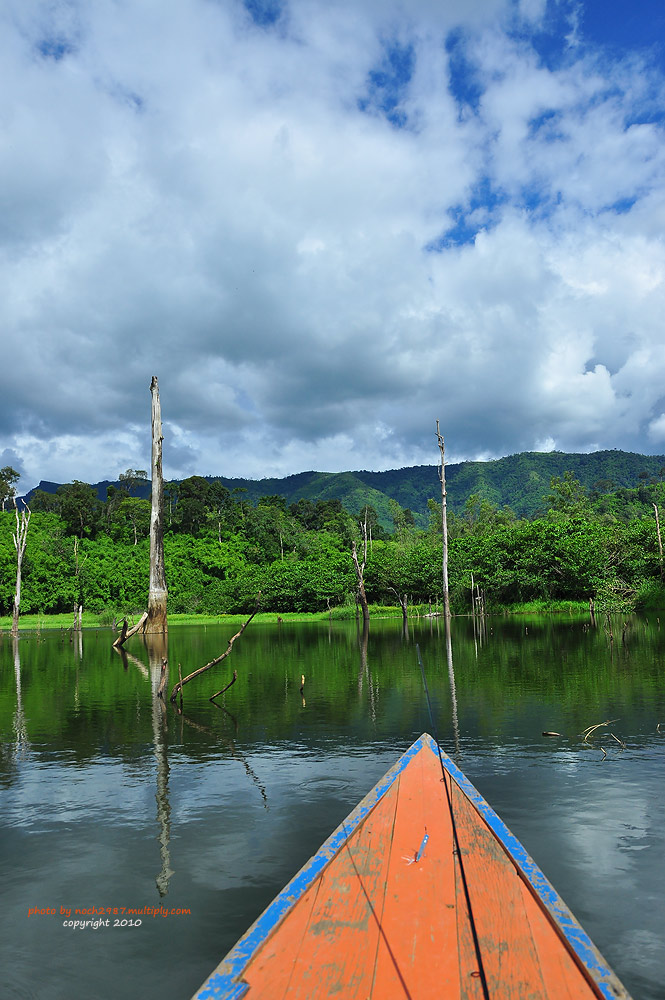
[542,606]
[36,623]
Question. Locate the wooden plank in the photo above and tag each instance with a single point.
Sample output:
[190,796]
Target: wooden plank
[470,979]
[417,953]
[269,974]
[602,980]
[509,957]
[560,971]
[334,954]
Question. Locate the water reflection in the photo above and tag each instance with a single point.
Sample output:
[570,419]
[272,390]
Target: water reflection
[128,658]
[103,749]
[21,743]
[157,649]
[451,681]
[364,673]
[229,744]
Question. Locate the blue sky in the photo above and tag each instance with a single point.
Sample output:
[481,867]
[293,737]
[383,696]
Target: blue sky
[324,226]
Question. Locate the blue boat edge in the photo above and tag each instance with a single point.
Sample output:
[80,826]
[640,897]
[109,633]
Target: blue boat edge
[225,982]
[587,955]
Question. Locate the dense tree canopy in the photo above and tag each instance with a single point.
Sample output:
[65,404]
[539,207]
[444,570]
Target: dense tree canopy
[221,549]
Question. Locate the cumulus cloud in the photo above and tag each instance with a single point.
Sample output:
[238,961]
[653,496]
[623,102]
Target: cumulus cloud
[324,226]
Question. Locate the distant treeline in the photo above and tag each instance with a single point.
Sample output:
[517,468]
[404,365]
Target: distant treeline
[221,550]
[518,481]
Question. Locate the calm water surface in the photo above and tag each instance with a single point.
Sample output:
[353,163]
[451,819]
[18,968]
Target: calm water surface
[107,800]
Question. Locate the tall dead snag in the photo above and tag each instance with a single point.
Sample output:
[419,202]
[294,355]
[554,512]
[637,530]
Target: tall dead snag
[660,541]
[20,539]
[360,571]
[177,688]
[444,523]
[158,593]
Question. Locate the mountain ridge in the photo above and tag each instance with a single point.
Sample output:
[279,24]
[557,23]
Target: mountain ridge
[519,481]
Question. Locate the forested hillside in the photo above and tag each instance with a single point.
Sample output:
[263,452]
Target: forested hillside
[518,481]
[221,549]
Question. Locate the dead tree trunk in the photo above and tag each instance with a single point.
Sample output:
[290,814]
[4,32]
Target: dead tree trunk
[158,593]
[444,524]
[360,573]
[20,540]
[660,541]
[403,600]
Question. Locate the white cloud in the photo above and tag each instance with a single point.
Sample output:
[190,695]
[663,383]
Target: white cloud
[191,195]
[657,430]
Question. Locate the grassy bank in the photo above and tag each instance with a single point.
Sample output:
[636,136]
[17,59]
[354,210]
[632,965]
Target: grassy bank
[37,623]
[544,607]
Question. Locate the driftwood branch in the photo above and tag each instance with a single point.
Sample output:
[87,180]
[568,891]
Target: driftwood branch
[217,694]
[126,633]
[218,659]
[591,729]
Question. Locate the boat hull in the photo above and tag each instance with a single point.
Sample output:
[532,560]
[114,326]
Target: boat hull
[421,891]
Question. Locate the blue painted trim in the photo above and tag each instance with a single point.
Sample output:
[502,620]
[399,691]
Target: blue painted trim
[224,983]
[579,941]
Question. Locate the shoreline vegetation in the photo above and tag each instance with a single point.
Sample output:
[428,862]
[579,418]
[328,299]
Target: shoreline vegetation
[87,561]
[64,621]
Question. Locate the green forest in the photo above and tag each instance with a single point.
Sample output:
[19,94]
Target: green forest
[223,548]
[518,481]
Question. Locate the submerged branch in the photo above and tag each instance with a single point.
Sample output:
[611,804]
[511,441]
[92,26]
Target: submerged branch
[218,659]
[586,733]
[126,633]
[217,694]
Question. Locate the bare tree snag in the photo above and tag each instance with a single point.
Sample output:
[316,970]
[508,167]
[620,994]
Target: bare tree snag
[660,541]
[177,688]
[20,540]
[158,593]
[360,571]
[444,523]
[403,600]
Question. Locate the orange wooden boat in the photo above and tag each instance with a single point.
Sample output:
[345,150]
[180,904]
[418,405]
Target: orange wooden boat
[421,892]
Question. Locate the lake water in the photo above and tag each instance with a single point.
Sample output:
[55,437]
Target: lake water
[108,800]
